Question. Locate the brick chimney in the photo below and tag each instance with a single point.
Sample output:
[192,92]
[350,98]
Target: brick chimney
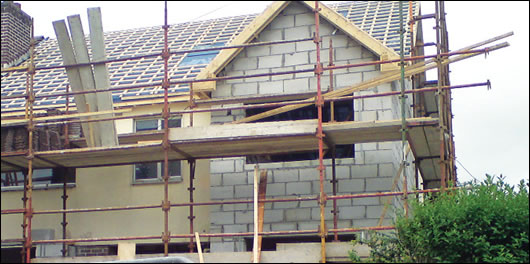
[16,32]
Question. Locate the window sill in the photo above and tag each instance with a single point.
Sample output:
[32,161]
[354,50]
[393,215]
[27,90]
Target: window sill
[173,179]
[38,187]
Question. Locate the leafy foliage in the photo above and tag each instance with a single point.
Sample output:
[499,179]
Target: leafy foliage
[487,222]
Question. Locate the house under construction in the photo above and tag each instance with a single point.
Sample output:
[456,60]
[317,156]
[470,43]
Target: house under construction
[272,137]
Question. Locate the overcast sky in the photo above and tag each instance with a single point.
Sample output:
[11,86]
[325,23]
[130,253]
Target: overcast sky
[490,127]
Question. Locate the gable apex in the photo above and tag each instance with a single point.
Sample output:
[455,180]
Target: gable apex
[268,15]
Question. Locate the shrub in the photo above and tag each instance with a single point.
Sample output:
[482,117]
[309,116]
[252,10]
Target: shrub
[487,222]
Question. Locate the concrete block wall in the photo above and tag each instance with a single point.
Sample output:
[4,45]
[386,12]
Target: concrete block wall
[372,169]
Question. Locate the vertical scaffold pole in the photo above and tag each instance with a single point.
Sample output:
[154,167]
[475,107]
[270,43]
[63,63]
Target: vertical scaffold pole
[31,127]
[333,153]
[191,163]
[165,85]
[320,134]
[403,112]
[65,196]
[441,99]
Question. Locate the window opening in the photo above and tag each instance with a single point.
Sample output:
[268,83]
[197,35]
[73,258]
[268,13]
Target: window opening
[343,112]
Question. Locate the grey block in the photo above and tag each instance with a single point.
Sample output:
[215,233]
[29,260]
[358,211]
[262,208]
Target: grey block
[222,218]
[283,227]
[309,174]
[298,58]
[271,35]
[315,213]
[221,192]
[295,8]
[378,156]
[316,187]
[270,87]
[222,247]
[282,21]
[304,74]
[341,172]
[349,52]
[272,216]
[308,225]
[351,186]
[239,89]
[258,51]
[374,211]
[352,212]
[379,184]
[348,79]
[215,179]
[295,86]
[304,204]
[387,170]
[244,191]
[299,214]
[244,217]
[235,228]
[367,201]
[289,175]
[234,178]
[224,90]
[275,189]
[245,63]
[257,79]
[364,171]
[221,166]
[307,45]
[283,48]
[285,205]
[272,61]
[297,188]
[304,19]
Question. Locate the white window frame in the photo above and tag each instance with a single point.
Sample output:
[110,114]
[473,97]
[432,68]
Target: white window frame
[159,167]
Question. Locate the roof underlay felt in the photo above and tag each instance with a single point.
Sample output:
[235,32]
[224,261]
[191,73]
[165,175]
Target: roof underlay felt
[379,19]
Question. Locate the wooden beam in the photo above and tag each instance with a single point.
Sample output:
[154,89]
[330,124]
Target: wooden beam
[199,248]
[101,75]
[74,78]
[261,207]
[85,72]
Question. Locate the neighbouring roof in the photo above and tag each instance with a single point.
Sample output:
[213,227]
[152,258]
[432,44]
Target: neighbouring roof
[380,19]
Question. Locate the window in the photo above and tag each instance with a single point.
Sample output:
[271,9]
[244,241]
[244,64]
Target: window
[41,178]
[154,171]
[203,57]
[343,112]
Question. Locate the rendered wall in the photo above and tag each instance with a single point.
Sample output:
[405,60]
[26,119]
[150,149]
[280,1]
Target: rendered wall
[372,170]
[113,186]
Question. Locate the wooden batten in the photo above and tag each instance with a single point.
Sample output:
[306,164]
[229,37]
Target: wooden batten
[101,76]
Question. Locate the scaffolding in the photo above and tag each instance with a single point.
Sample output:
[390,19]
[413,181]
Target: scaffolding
[396,131]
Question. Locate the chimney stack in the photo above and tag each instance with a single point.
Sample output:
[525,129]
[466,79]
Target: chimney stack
[16,32]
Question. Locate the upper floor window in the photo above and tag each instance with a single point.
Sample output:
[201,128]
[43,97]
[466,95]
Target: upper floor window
[154,171]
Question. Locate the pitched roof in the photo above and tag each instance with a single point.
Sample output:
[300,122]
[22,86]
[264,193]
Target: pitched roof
[378,18]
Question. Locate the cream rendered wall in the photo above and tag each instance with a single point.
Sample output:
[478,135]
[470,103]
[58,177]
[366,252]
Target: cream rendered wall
[112,186]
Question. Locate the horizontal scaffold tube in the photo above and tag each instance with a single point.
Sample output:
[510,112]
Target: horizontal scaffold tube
[294,199]
[46,120]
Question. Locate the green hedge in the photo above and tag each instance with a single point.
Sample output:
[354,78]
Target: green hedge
[488,222]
